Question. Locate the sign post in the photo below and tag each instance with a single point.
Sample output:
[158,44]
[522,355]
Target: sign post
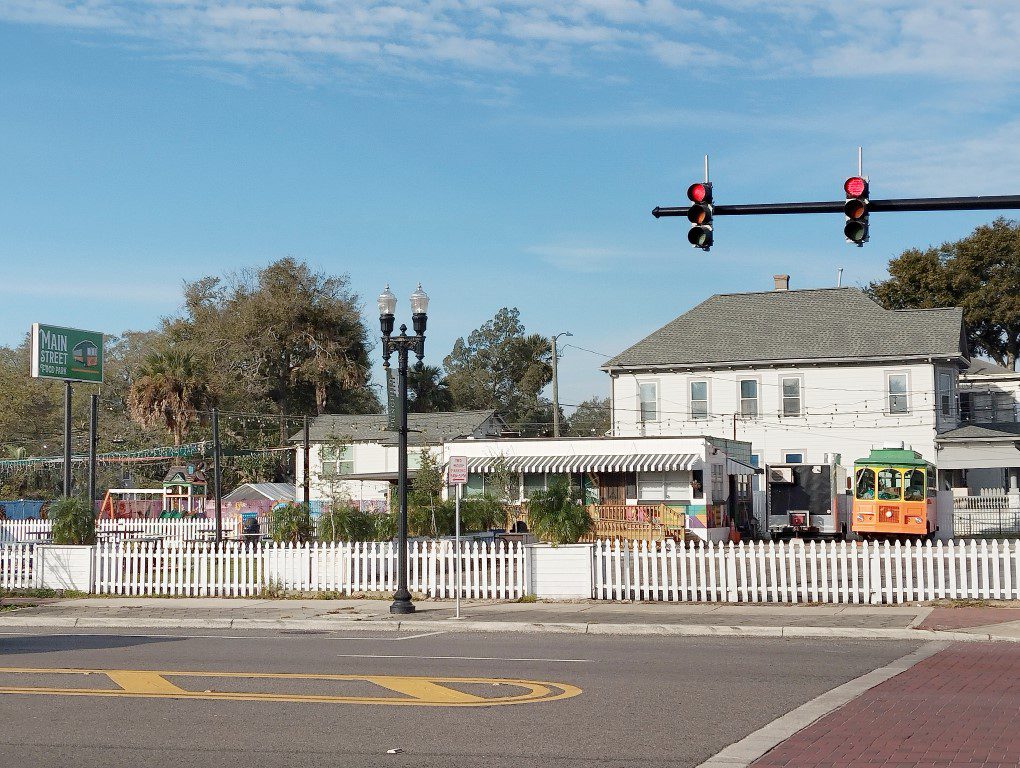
[458,475]
[68,355]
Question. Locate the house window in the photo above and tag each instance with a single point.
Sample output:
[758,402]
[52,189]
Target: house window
[533,483]
[791,386]
[966,407]
[749,398]
[946,394]
[699,399]
[648,392]
[664,486]
[336,462]
[897,388]
[413,460]
[475,485]
[717,483]
[793,457]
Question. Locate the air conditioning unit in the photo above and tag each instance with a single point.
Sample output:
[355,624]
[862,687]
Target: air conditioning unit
[781,474]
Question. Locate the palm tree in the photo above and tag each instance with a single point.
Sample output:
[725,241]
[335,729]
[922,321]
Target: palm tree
[557,514]
[169,388]
[427,390]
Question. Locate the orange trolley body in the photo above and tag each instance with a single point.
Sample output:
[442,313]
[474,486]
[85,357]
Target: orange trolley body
[894,495]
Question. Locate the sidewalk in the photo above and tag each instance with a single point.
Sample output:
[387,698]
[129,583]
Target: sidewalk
[957,707]
[907,622]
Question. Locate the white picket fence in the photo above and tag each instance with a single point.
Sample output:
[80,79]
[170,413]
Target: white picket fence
[174,530]
[16,566]
[790,572]
[493,570]
[814,572]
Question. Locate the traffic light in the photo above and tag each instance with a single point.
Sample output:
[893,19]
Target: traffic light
[856,210]
[700,215]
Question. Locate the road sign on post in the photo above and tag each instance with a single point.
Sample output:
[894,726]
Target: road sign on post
[67,354]
[458,470]
[457,475]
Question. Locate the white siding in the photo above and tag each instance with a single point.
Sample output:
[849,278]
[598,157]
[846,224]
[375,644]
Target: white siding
[844,410]
[369,458]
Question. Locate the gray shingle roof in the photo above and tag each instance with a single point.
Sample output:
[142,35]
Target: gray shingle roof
[979,367]
[990,430]
[814,324]
[425,428]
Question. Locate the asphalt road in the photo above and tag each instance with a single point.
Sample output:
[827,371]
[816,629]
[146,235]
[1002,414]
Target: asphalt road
[643,701]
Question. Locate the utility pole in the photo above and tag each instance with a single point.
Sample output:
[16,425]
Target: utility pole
[67,438]
[93,442]
[218,505]
[556,384]
[305,452]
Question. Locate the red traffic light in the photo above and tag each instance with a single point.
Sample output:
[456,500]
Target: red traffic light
[698,193]
[855,186]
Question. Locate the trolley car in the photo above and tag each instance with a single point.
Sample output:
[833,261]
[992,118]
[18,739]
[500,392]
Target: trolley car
[894,495]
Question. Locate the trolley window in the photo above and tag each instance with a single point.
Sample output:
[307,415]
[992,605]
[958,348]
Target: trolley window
[890,484]
[914,482]
[931,478]
[865,483]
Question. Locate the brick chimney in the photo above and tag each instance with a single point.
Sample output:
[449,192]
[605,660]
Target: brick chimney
[782,282]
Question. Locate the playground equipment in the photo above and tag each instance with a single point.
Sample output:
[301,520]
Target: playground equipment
[183,494]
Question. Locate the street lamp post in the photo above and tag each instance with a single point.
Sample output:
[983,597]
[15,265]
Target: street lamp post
[402,344]
[556,385]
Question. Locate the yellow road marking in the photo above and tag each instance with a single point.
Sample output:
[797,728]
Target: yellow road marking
[423,689]
[142,682]
[415,691]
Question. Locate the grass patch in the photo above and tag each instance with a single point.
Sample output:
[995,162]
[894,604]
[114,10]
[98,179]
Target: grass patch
[526,599]
[61,593]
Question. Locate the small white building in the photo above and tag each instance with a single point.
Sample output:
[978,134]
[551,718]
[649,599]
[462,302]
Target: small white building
[704,481]
[354,456]
[803,375]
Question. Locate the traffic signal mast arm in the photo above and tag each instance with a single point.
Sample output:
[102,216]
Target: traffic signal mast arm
[984,203]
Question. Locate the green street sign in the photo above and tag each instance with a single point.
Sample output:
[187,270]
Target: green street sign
[68,354]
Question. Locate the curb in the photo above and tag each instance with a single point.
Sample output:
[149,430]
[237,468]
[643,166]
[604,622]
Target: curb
[453,625]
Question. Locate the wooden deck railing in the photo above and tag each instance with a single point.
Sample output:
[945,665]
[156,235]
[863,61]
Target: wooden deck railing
[641,522]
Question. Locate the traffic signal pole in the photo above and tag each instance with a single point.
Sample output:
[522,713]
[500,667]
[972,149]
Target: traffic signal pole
[980,203]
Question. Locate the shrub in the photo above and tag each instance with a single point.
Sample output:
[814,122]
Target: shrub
[74,521]
[346,523]
[557,514]
[385,526]
[481,513]
[434,519]
[292,523]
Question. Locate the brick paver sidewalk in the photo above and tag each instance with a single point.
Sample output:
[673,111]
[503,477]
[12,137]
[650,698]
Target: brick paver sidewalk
[956,708]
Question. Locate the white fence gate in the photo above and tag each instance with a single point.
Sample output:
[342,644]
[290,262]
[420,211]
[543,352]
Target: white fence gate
[799,572]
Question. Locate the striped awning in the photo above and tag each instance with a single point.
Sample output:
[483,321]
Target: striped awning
[734,467]
[657,462]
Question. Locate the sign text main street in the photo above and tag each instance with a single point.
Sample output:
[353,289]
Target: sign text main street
[67,354]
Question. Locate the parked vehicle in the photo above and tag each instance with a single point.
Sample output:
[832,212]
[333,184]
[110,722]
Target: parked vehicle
[894,495]
[807,501]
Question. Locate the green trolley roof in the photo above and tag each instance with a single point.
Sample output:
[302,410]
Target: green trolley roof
[894,457]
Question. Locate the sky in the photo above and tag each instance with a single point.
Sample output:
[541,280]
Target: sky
[502,154]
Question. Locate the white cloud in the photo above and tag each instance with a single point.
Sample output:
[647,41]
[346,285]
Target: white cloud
[962,39]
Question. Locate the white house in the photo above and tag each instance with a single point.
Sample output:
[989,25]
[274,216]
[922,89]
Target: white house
[803,375]
[982,454]
[703,482]
[355,455]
